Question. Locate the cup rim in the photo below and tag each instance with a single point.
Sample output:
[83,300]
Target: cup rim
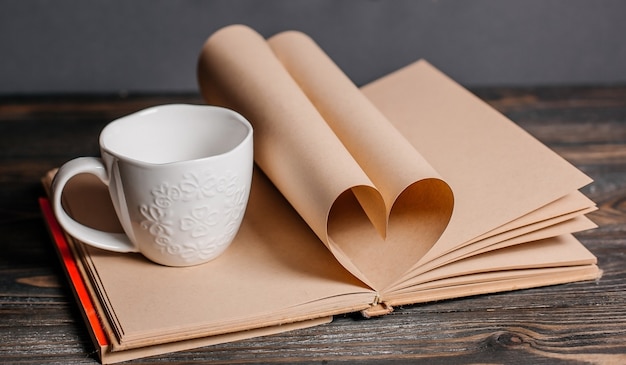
[154,109]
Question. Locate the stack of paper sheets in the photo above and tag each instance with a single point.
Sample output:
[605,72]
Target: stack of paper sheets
[407,190]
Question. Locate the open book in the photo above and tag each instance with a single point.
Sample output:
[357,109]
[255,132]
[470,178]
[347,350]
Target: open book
[407,190]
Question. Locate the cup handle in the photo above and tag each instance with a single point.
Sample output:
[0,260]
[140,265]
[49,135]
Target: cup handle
[117,242]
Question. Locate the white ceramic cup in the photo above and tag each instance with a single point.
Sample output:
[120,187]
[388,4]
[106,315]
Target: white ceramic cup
[179,177]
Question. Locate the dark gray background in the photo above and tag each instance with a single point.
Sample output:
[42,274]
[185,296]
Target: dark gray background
[147,46]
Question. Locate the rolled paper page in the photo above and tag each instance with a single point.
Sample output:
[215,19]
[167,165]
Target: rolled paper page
[293,144]
[390,161]
[365,191]
[421,201]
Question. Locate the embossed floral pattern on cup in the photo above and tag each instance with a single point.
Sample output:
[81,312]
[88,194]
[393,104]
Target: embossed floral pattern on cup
[192,206]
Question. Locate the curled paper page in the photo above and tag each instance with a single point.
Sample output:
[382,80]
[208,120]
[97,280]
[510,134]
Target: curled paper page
[367,193]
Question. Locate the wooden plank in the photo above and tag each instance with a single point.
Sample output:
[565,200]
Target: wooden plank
[572,323]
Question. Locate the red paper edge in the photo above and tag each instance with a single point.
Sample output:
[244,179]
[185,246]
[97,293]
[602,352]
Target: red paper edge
[73,273]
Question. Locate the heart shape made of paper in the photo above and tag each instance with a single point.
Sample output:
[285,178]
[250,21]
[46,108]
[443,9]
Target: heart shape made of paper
[417,219]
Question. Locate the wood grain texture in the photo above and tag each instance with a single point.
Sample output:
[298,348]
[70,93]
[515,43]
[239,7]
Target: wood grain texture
[572,323]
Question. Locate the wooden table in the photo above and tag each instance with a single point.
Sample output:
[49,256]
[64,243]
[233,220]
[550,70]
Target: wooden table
[580,322]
